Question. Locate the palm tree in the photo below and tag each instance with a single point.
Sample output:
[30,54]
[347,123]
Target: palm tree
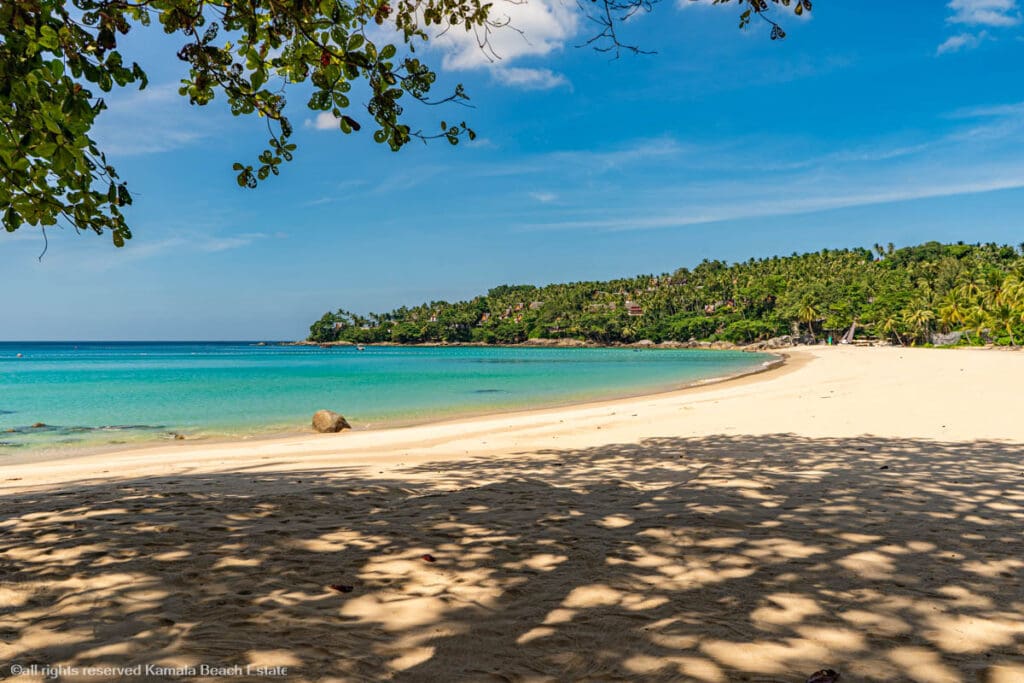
[1003,316]
[970,291]
[976,318]
[807,315]
[920,319]
[952,313]
[890,326]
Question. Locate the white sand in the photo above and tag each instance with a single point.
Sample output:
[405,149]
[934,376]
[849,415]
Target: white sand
[860,509]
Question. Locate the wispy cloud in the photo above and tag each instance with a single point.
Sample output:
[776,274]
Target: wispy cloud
[994,14]
[198,242]
[530,79]
[740,207]
[1015,109]
[590,162]
[980,151]
[149,121]
[961,41]
[544,197]
[984,12]
[337,191]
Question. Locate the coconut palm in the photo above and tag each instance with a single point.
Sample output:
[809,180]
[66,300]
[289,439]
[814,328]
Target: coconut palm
[951,313]
[807,314]
[969,292]
[919,318]
[1003,317]
[890,326]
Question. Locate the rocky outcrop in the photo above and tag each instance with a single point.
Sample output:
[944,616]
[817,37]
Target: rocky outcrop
[559,343]
[325,345]
[947,339]
[783,342]
[328,421]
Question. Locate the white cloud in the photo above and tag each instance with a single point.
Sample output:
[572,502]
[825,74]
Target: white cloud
[325,120]
[991,13]
[529,79]
[984,12]
[544,197]
[961,41]
[528,29]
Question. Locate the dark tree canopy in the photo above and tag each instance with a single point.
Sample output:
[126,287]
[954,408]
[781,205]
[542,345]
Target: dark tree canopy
[58,58]
[931,293]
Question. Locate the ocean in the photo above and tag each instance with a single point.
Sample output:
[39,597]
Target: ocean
[90,395]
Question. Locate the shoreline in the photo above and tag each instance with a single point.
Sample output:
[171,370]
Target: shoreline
[778,363]
[853,509]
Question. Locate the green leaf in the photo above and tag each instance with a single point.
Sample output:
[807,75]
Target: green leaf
[48,38]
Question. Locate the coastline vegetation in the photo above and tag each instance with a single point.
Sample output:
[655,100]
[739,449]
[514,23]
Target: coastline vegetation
[930,293]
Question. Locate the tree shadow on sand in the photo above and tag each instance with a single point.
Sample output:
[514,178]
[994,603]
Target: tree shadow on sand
[707,559]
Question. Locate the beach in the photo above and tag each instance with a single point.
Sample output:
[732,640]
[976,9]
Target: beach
[858,509]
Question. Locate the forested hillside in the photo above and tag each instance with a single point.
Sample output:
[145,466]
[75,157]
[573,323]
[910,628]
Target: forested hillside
[902,295]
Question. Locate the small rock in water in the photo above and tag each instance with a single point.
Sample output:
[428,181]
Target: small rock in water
[38,425]
[179,437]
[329,421]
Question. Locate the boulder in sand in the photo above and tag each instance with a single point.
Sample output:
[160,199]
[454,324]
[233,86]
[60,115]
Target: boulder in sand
[329,421]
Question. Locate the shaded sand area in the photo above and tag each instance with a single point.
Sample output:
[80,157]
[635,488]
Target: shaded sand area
[858,509]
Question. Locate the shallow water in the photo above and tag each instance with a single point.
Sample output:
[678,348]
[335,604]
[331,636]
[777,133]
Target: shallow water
[90,394]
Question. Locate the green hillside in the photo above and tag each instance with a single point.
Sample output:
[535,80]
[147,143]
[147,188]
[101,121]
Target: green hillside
[901,295]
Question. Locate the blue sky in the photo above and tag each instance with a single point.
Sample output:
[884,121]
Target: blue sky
[872,122]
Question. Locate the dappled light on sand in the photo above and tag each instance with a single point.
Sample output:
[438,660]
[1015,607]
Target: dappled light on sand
[712,559]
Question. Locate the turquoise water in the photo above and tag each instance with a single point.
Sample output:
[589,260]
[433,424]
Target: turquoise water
[92,394]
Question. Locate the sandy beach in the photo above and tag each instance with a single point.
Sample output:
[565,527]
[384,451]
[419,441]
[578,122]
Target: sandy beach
[859,509]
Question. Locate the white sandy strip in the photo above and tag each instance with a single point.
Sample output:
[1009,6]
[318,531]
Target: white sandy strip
[858,509]
[950,395]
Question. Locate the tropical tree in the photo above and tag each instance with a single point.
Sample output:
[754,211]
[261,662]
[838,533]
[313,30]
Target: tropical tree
[808,314]
[891,326]
[58,58]
[978,289]
[919,318]
[1004,317]
[952,313]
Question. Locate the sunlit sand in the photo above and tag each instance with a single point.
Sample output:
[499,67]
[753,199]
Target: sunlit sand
[858,509]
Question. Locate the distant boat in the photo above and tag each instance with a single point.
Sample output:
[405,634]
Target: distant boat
[360,347]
